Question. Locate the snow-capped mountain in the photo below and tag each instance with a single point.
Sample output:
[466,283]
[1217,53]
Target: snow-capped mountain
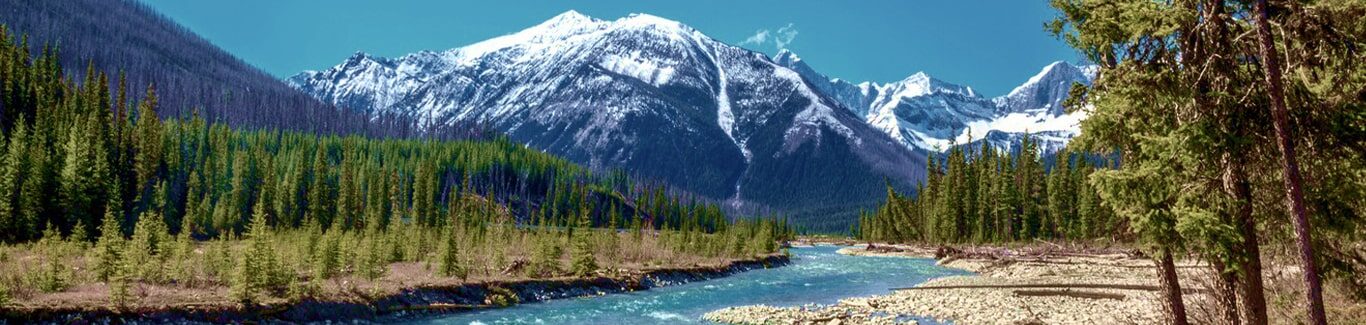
[930,114]
[649,95]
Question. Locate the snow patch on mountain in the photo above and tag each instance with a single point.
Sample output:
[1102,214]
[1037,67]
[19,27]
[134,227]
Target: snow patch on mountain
[816,114]
[649,71]
[926,113]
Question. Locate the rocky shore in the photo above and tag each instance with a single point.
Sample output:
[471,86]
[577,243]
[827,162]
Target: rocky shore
[407,303]
[1009,287]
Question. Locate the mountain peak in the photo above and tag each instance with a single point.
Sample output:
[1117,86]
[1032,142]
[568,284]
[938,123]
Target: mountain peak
[648,20]
[359,55]
[785,56]
[922,83]
[571,17]
[1055,70]
[361,58]
[1044,92]
[919,77]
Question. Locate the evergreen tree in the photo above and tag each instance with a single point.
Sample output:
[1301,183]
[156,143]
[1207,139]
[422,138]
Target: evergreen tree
[327,258]
[258,272]
[149,148]
[451,261]
[33,192]
[83,176]
[14,226]
[1060,196]
[110,246]
[319,191]
[584,264]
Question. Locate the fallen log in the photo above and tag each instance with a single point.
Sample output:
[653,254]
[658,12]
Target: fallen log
[1058,285]
[1069,293]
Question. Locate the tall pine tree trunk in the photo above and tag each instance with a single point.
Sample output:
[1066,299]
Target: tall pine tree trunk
[1201,48]
[1226,292]
[1171,287]
[1290,168]
[1253,307]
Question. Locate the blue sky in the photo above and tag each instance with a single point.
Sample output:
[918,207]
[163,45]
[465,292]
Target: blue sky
[990,45]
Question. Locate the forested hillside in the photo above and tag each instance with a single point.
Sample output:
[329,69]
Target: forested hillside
[95,188]
[189,72]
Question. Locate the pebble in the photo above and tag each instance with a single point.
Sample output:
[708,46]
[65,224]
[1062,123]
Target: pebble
[986,305]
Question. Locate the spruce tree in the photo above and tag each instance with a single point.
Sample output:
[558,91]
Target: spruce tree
[258,271]
[327,258]
[584,263]
[319,191]
[148,137]
[451,261]
[13,168]
[83,176]
[33,191]
[109,247]
[144,250]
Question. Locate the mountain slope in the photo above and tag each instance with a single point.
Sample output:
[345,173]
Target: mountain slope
[930,114]
[647,94]
[188,71]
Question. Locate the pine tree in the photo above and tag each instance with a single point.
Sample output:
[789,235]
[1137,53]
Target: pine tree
[83,176]
[55,276]
[452,264]
[424,191]
[545,260]
[33,192]
[258,271]
[327,258]
[1059,197]
[149,148]
[584,263]
[346,200]
[111,244]
[13,168]
[319,191]
[144,250]
[118,287]
[396,204]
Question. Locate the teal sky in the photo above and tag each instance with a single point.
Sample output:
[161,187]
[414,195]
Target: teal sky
[990,45]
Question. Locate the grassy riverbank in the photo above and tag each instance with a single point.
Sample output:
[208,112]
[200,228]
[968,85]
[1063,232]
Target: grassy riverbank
[626,263]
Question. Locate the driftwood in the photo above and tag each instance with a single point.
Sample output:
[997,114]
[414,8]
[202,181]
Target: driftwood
[828,318]
[945,251]
[1060,285]
[515,267]
[1138,266]
[1069,293]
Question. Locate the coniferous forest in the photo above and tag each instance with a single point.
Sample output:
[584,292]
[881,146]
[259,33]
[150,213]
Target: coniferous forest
[95,189]
[985,195]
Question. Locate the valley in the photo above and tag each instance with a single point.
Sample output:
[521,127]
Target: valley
[625,162]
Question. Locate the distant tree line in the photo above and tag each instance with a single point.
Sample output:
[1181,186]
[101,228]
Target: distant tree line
[993,196]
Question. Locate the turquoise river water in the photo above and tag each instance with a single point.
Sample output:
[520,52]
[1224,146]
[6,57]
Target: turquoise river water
[816,275]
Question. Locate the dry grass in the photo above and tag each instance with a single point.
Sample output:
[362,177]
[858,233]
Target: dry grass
[198,281]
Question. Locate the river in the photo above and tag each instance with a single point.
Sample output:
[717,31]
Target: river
[816,275]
